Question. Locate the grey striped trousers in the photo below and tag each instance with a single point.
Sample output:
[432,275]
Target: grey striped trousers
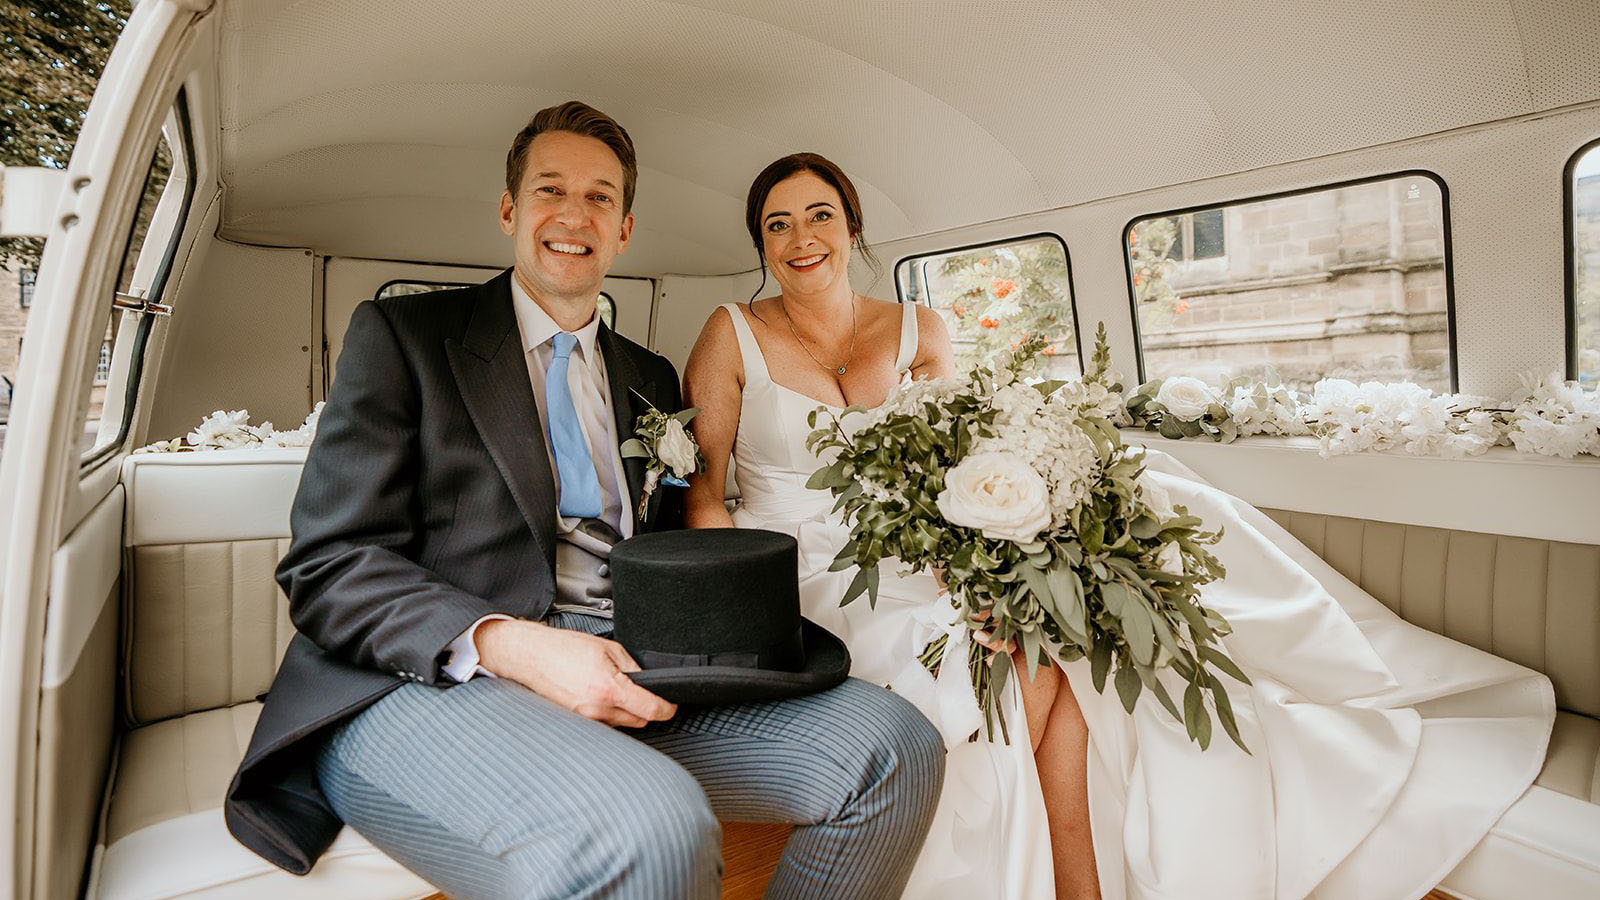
[487,790]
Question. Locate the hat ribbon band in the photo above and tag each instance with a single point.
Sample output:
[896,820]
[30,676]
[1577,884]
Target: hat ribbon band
[784,655]
[652,659]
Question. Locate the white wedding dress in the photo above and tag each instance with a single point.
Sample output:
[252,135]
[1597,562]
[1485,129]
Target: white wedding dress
[1380,753]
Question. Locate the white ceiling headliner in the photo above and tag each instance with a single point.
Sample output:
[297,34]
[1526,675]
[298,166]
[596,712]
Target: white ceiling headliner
[379,127]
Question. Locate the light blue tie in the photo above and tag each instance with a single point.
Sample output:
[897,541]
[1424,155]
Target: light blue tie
[580,486]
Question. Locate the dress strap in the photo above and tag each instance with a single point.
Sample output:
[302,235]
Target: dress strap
[755,363]
[908,337]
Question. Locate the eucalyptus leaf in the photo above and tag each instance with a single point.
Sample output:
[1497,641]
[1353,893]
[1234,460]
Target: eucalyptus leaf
[1031,646]
[1100,663]
[685,415]
[1222,661]
[633,448]
[1194,706]
[1128,686]
[858,584]
[1153,683]
[1138,629]
[1219,696]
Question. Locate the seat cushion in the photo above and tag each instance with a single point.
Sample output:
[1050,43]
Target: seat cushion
[1572,765]
[1547,845]
[165,835]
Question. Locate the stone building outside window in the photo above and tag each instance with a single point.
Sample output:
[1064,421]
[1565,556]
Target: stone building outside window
[1345,282]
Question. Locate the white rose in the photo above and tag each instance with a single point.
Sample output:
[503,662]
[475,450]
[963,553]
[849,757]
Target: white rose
[1185,397]
[999,494]
[676,449]
[1156,497]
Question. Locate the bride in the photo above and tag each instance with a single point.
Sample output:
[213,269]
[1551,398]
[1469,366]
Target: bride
[1381,753]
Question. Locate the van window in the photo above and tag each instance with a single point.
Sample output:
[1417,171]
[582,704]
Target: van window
[117,358]
[994,296]
[1349,281]
[606,306]
[1583,266]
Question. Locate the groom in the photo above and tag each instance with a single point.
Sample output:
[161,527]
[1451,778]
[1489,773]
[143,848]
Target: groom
[452,693]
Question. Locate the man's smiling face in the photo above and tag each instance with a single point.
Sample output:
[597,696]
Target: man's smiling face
[567,219]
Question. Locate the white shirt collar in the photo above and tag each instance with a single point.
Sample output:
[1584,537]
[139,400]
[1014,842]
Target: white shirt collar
[538,328]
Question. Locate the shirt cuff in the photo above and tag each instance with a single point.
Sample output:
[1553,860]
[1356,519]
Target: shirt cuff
[461,656]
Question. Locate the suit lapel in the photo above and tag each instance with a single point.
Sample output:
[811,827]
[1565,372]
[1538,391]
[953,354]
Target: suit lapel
[627,386]
[491,373]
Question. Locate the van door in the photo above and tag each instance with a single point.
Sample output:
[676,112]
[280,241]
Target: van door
[108,255]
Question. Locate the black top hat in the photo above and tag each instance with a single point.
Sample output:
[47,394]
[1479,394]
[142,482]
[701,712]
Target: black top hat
[712,615]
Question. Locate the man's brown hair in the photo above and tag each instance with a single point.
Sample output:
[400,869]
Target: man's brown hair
[578,118]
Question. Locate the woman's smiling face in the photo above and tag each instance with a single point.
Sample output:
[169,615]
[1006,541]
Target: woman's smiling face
[804,235]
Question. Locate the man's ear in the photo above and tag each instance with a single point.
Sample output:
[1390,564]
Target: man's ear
[508,214]
[627,232]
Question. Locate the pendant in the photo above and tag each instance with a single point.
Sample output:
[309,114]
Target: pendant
[840,370]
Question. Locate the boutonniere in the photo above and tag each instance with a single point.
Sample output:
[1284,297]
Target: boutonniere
[666,446]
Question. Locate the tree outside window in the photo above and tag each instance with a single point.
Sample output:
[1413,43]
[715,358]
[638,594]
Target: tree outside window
[992,298]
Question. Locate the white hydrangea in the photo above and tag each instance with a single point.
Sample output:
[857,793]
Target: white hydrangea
[1047,435]
[1557,418]
[231,430]
[224,431]
[1259,409]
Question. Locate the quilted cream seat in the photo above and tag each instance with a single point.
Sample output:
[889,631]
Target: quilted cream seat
[166,838]
[205,626]
[204,629]
[1533,602]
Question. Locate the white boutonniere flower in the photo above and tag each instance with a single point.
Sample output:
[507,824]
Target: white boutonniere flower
[668,449]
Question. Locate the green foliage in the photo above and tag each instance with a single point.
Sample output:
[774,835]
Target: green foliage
[1104,586]
[1150,266]
[54,52]
[1002,296]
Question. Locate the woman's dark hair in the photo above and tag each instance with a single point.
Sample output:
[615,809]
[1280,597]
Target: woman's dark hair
[823,168]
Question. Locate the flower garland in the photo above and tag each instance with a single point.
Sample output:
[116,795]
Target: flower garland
[231,430]
[1553,418]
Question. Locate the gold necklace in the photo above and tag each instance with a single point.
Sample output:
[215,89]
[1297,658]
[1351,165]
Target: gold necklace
[840,368]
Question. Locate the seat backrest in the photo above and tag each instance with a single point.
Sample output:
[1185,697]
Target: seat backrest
[1533,602]
[205,623]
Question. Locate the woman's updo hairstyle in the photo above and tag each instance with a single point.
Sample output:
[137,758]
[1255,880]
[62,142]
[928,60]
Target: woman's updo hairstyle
[823,168]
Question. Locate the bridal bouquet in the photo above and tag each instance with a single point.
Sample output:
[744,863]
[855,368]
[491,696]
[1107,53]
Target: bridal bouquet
[1048,534]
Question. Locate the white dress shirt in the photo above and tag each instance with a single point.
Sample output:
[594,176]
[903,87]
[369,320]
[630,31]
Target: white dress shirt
[591,397]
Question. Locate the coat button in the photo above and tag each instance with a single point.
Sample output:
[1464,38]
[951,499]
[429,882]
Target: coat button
[604,571]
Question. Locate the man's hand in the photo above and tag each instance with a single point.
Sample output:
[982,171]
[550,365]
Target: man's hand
[581,672]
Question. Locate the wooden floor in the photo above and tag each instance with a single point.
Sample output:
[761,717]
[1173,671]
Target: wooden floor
[749,883]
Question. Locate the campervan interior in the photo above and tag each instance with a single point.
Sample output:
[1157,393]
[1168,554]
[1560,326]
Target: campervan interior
[1393,191]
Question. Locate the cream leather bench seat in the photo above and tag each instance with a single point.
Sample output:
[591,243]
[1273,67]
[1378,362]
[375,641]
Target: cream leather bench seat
[1534,602]
[204,630]
[205,627]
[1547,845]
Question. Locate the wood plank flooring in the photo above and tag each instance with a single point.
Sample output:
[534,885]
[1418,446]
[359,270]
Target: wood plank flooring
[750,887]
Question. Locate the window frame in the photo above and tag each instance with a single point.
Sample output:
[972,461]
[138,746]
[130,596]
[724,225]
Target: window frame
[158,281]
[453,285]
[1449,258]
[1066,253]
[436,285]
[1569,241]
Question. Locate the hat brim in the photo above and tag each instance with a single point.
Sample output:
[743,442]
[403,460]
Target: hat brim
[827,665]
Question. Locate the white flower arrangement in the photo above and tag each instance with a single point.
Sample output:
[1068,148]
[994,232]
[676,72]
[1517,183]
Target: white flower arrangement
[1045,529]
[1554,418]
[231,430]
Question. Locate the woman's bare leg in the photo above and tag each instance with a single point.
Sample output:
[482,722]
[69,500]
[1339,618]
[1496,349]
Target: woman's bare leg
[1038,695]
[1061,754]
